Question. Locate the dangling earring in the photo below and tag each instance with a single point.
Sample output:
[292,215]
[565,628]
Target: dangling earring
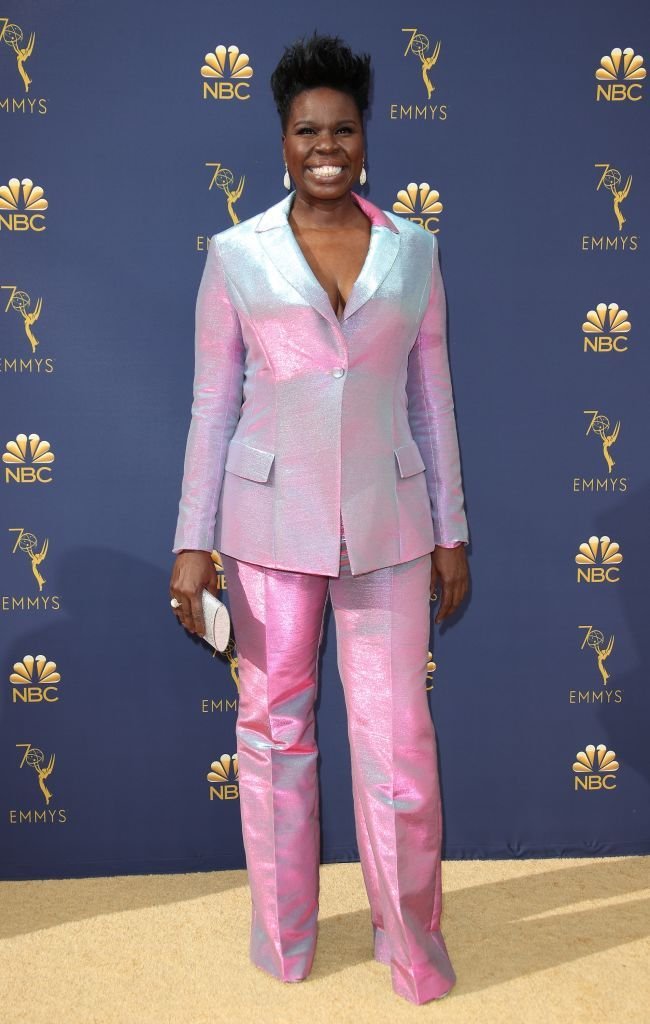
[286,179]
[363,177]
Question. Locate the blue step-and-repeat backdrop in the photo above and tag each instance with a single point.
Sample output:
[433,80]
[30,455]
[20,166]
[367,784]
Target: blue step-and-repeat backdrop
[129,134]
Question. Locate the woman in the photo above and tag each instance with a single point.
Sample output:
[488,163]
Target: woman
[322,460]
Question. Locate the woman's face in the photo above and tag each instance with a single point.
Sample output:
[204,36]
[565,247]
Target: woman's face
[324,130]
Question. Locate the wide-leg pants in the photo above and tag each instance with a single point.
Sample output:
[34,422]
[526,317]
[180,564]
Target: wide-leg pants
[382,621]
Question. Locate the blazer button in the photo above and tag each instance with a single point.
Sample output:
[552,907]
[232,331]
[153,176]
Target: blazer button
[338,371]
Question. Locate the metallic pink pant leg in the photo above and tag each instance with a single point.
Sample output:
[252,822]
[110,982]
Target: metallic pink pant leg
[278,622]
[382,628]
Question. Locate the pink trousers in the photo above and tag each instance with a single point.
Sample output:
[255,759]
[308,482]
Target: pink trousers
[382,623]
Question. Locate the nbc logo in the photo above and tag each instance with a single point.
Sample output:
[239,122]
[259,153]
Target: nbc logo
[34,680]
[421,204]
[431,668]
[16,457]
[606,329]
[620,75]
[601,558]
[226,74]
[594,768]
[224,777]
[25,203]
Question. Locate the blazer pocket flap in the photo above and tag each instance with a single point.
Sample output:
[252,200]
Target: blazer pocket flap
[249,462]
[409,459]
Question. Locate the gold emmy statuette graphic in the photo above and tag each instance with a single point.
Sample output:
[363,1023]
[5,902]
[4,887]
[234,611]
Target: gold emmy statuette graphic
[226,73]
[20,302]
[420,203]
[595,639]
[611,179]
[12,36]
[27,542]
[594,768]
[600,426]
[621,73]
[35,680]
[419,44]
[223,179]
[35,758]
[606,329]
[223,777]
[40,456]
[601,557]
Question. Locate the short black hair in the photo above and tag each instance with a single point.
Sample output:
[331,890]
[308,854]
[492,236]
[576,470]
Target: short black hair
[320,61]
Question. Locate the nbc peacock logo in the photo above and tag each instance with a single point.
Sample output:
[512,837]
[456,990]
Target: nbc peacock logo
[620,75]
[28,460]
[226,74]
[595,769]
[431,668]
[22,206]
[224,778]
[606,329]
[35,680]
[599,561]
[421,204]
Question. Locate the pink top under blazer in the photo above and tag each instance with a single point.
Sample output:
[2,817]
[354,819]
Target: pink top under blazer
[301,420]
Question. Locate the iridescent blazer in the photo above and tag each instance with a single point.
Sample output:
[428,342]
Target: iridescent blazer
[301,421]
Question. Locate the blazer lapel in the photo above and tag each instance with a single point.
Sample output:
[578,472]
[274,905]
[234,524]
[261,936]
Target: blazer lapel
[280,245]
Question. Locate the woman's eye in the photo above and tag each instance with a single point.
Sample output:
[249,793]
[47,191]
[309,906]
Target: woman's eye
[343,128]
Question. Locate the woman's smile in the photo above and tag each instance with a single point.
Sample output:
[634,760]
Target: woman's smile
[326,172]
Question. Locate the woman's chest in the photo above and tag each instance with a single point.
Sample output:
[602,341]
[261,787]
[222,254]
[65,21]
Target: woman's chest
[336,260]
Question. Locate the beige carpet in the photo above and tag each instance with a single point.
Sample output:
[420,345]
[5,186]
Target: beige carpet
[543,941]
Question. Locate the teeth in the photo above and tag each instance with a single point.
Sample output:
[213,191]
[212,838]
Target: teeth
[325,172]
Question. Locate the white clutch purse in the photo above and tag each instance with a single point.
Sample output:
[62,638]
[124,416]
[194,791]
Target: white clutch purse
[217,621]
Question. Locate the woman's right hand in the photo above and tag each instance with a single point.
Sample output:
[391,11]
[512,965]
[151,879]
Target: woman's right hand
[191,572]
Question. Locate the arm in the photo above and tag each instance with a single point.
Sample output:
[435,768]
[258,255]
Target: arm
[218,384]
[431,416]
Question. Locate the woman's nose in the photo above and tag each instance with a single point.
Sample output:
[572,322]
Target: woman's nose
[328,149]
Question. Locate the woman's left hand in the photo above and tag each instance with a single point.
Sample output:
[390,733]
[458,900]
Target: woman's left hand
[449,566]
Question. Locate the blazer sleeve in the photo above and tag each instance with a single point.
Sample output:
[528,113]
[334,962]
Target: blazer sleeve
[431,415]
[219,359]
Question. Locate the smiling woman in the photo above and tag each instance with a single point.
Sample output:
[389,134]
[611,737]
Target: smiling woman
[322,462]
[323,151]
